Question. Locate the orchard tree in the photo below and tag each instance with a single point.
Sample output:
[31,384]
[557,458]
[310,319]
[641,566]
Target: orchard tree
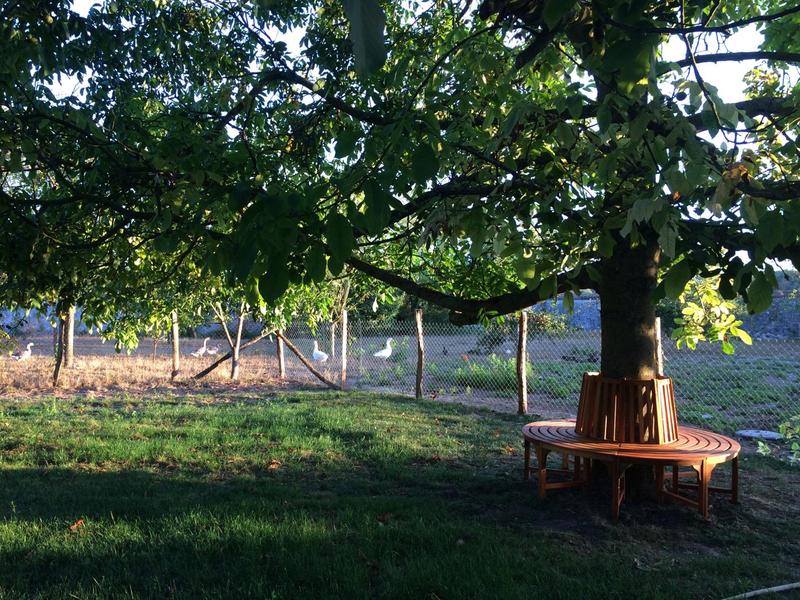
[544,146]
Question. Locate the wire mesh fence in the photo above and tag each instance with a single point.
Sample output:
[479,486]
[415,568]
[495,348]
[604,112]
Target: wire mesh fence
[757,387]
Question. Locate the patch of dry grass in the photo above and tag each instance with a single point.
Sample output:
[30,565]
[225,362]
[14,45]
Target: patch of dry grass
[99,370]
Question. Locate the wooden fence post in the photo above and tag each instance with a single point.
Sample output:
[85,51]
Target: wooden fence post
[522,365]
[420,354]
[333,339]
[176,345]
[344,348]
[279,352]
[659,348]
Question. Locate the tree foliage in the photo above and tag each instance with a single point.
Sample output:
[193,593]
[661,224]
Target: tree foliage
[497,155]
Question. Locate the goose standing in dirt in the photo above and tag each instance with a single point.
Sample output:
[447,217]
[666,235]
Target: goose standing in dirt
[386,352]
[318,355]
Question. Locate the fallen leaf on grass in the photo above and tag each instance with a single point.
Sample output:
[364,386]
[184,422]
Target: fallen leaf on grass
[383,518]
[76,525]
[509,449]
[274,464]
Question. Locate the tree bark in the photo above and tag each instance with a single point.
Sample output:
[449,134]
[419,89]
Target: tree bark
[176,345]
[627,311]
[344,350]
[59,354]
[69,338]
[280,355]
[522,365]
[307,363]
[418,392]
[236,346]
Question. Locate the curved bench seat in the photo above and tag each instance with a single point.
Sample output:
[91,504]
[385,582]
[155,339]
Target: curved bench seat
[702,450]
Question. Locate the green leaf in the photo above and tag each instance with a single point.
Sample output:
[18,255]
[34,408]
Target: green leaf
[378,210]
[275,282]
[346,143]
[727,347]
[554,10]
[367,23]
[676,279]
[603,118]
[575,106]
[605,243]
[424,164]
[339,234]
[315,263]
[569,302]
[759,293]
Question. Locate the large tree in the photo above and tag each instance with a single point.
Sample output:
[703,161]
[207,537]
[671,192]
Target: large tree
[543,146]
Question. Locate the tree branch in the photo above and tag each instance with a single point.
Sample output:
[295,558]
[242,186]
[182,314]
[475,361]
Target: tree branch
[465,310]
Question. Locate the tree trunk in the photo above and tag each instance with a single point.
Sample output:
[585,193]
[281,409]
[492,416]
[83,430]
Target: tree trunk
[627,312]
[69,338]
[176,345]
[59,354]
[237,343]
[343,378]
[628,324]
[418,392]
[280,355]
[522,364]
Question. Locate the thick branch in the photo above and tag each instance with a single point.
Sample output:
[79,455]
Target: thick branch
[465,310]
[739,56]
[306,362]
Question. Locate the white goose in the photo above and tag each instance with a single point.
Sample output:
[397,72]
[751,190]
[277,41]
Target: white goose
[25,354]
[201,350]
[386,352]
[212,350]
[318,355]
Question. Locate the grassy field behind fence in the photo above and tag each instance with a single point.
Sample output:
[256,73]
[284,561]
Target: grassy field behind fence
[351,495]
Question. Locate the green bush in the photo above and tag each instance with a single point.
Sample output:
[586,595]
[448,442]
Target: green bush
[547,322]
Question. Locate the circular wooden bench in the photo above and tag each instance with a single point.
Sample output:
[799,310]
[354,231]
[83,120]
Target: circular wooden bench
[701,450]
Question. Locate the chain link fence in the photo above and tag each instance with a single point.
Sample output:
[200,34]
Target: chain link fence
[758,387]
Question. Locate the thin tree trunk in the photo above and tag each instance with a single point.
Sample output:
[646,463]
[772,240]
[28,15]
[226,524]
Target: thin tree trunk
[69,338]
[344,349]
[176,345]
[420,354]
[280,355]
[307,363]
[236,344]
[59,357]
[228,355]
[333,340]
[627,311]
[522,365]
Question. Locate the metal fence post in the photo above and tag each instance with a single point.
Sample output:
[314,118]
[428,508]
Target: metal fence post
[522,365]
[420,354]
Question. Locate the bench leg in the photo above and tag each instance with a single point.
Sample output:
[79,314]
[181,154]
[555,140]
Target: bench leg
[565,461]
[702,488]
[527,473]
[541,458]
[617,488]
[660,483]
[735,480]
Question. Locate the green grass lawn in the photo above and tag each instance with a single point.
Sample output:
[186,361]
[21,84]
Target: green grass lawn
[348,496]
